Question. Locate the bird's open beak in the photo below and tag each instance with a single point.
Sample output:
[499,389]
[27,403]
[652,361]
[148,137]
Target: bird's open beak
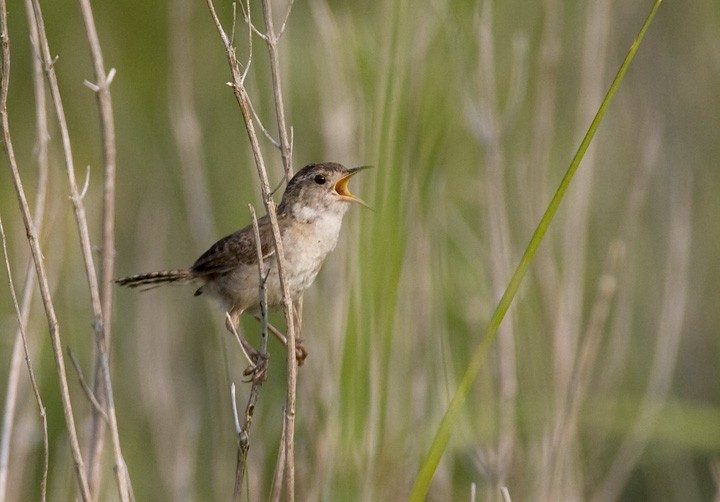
[343,191]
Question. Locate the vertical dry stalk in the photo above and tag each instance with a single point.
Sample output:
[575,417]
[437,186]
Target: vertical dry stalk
[575,224]
[33,381]
[544,118]
[271,39]
[243,100]
[669,333]
[81,220]
[279,469]
[563,483]
[291,311]
[186,124]
[37,255]
[42,139]
[244,433]
[102,389]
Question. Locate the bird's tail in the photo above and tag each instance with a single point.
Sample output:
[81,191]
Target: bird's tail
[153,279]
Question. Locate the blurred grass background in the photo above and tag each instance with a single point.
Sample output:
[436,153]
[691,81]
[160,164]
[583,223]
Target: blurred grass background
[604,382]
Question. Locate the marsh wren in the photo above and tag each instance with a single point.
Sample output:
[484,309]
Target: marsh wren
[309,217]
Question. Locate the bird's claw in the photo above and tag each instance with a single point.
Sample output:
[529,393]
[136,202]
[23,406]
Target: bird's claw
[257,373]
[300,352]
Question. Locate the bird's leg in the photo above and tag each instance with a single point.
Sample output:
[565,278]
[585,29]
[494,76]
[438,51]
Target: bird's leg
[300,352]
[259,362]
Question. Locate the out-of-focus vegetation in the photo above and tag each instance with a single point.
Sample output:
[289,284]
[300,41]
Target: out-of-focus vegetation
[604,381]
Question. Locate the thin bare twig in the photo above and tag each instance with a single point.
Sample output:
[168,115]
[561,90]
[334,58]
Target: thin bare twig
[41,149]
[244,433]
[264,130]
[248,20]
[285,19]
[272,40]
[276,332]
[233,399]
[35,248]
[85,386]
[33,381]
[279,468]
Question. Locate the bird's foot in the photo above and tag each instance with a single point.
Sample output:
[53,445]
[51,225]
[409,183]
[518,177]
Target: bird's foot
[257,373]
[300,352]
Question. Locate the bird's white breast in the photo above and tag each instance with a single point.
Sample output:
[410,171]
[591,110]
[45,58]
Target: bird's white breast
[306,246]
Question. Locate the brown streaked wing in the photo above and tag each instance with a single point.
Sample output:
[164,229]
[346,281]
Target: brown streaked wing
[235,249]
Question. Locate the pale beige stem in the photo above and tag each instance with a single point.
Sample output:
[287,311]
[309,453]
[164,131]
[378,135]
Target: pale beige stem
[36,251]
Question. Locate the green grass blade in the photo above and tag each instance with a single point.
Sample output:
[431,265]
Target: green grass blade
[442,436]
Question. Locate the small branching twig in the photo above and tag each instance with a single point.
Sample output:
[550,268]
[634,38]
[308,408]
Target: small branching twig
[102,385]
[100,327]
[85,386]
[264,130]
[243,100]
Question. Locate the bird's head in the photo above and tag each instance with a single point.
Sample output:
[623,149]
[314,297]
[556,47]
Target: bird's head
[319,188]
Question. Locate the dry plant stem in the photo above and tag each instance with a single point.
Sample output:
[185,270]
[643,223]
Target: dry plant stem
[243,100]
[244,433]
[544,118]
[571,294]
[186,124]
[102,386]
[38,259]
[618,344]
[279,469]
[41,147]
[33,381]
[575,224]
[565,429]
[85,386]
[86,249]
[505,494]
[272,39]
[669,333]
[107,131]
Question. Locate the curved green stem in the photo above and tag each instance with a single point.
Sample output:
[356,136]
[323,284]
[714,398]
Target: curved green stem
[442,436]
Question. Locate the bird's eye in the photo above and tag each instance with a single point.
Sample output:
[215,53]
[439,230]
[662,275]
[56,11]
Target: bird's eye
[320,179]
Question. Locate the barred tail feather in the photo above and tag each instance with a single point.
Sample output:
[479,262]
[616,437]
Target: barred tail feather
[153,279]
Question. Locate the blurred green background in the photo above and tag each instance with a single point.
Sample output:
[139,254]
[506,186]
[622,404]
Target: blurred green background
[604,383]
